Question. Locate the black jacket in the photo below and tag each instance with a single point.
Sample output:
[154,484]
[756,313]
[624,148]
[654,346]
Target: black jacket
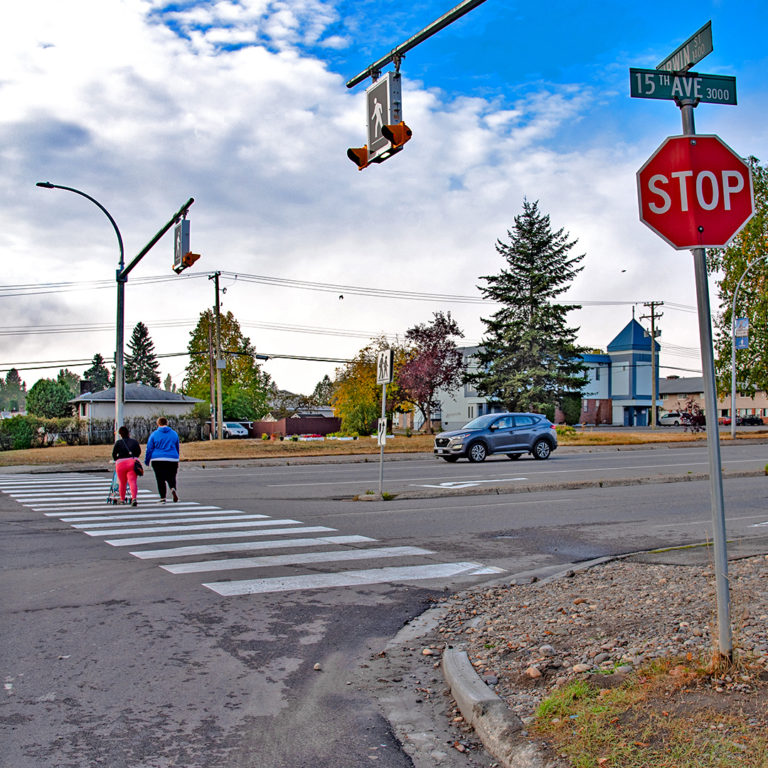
[125,448]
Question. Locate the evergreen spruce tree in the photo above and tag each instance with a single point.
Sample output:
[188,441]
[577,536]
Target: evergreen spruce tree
[529,360]
[98,374]
[141,362]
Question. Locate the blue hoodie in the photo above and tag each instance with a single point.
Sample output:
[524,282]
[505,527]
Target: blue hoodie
[163,445]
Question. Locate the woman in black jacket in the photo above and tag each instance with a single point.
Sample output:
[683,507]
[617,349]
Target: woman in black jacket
[125,453]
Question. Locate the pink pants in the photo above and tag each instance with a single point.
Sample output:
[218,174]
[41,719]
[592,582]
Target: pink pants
[125,473]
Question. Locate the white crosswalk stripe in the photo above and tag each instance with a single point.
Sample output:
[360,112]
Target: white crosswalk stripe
[81,502]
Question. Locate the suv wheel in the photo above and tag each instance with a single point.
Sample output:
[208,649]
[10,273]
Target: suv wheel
[477,452]
[541,449]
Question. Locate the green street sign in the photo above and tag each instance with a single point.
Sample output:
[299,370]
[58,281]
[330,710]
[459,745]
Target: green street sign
[655,84]
[692,51]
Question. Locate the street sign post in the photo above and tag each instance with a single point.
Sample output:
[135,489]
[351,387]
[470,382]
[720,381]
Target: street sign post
[384,375]
[695,192]
[653,84]
[692,51]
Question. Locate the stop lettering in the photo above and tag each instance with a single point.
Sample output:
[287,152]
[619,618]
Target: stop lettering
[695,192]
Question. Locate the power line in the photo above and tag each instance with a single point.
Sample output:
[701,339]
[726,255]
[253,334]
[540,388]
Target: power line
[32,289]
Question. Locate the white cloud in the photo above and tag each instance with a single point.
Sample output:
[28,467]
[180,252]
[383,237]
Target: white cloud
[146,118]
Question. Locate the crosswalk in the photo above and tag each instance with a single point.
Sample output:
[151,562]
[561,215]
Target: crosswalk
[210,540]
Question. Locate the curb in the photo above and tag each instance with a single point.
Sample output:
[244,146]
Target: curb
[500,730]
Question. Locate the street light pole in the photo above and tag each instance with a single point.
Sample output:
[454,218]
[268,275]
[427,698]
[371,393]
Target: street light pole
[733,346]
[121,280]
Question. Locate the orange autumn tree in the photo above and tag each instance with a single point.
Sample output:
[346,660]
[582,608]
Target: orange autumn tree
[356,398]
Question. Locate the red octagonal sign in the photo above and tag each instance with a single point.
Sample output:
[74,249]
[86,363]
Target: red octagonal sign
[695,192]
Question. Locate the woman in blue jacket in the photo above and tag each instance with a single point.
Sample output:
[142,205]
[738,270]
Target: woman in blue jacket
[163,454]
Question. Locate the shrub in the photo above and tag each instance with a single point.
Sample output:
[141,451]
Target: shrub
[17,432]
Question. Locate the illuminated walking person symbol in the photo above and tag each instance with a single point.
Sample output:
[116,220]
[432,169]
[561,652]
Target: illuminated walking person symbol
[377,117]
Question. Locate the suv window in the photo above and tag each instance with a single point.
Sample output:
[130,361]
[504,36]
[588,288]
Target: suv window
[506,423]
[524,421]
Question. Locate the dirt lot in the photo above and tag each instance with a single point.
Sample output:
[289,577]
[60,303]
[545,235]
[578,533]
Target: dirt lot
[217,450]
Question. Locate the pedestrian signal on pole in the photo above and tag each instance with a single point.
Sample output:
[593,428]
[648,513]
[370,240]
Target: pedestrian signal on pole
[187,260]
[359,156]
[386,131]
[397,135]
[182,256]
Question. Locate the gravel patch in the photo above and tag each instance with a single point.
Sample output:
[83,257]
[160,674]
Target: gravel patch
[525,640]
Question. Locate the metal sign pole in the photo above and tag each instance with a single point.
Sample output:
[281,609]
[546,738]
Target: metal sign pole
[725,640]
[382,438]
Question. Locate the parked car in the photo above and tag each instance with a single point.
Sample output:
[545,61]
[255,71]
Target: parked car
[670,419]
[512,433]
[750,421]
[233,429]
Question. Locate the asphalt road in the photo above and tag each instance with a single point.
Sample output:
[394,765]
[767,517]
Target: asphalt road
[152,641]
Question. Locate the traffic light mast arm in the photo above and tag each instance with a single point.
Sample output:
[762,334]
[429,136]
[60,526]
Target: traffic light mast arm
[396,53]
[123,274]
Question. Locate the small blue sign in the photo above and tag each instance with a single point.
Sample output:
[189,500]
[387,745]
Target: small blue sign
[742,342]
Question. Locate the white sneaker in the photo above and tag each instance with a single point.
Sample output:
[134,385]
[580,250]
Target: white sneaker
[162,501]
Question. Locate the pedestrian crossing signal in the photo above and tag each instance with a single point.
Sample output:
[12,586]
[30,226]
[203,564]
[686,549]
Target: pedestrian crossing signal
[187,260]
[359,156]
[397,134]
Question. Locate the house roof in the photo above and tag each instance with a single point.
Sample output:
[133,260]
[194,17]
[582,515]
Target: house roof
[136,392]
[684,385]
[632,337]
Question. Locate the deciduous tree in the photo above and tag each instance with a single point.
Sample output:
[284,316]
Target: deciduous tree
[356,396]
[245,387]
[432,363]
[49,399]
[529,358]
[70,380]
[749,249]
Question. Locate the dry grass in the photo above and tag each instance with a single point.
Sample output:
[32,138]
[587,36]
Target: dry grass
[671,714]
[260,449]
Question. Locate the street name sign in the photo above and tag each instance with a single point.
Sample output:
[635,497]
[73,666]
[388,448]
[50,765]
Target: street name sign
[695,192]
[741,326]
[693,50]
[653,84]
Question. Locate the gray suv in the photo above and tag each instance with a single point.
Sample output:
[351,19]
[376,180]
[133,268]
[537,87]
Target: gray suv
[510,433]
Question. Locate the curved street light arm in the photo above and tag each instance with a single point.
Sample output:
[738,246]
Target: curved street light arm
[48,185]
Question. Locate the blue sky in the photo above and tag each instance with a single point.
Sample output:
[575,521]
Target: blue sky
[243,106]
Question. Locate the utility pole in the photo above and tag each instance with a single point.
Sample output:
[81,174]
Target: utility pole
[219,362]
[210,378]
[652,317]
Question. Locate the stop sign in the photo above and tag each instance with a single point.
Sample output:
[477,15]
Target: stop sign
[695,192]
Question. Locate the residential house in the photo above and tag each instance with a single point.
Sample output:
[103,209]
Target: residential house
[140,400]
